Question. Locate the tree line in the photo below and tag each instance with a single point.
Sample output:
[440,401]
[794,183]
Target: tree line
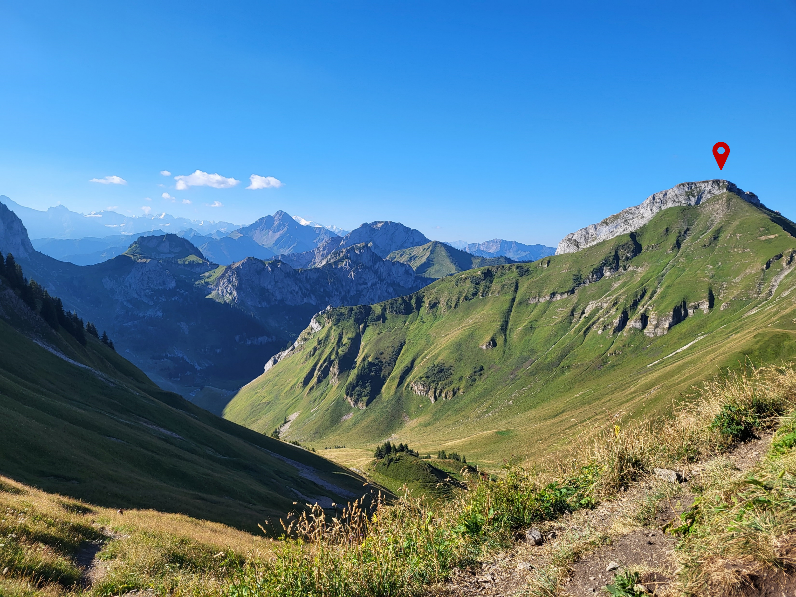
[50,308]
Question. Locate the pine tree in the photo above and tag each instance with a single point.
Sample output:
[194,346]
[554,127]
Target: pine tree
[104,339]
[47,311]
[92,329]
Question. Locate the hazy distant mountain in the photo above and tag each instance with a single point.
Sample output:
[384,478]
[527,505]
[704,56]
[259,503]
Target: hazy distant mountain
[86,251]
[60,223]
[283,235]
[508,248]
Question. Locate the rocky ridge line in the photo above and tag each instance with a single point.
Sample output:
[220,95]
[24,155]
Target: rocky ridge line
[633,218]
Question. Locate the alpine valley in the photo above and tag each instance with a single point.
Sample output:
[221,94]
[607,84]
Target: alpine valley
[202,329]
[522,358]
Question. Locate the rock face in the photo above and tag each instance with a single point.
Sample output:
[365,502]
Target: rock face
[384,238]
[13,236]
[633,218]
[352,276]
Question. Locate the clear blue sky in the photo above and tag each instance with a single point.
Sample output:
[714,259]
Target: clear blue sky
[467,120]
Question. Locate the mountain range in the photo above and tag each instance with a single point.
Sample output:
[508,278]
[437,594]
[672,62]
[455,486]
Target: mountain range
[199,328]
[504,248]
[511,359]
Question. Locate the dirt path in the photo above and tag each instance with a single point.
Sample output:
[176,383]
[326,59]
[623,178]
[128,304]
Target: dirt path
[86,559]
[623,533]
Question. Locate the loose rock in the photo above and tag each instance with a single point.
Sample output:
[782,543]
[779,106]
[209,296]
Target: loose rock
[668,475]
[534,536]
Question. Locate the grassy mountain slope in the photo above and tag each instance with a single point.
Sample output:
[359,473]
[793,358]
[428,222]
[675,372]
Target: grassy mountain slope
[522,358]
[83,421]
[436,260]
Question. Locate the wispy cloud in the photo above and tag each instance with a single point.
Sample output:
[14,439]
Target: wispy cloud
[216,204]
[168,197]
[146,209]
[165,173]
[109,180]
[112,207]
[203,179]
[263,182]
[186,201]
[147,198]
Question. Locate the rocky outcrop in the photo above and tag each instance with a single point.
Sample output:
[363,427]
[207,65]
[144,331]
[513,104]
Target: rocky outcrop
[383,238]
[13,235]
[353,276]
[432,392]
[633,218]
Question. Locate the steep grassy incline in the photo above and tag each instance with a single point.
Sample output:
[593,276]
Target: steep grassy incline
[83,421]
[436,260]
[521,358]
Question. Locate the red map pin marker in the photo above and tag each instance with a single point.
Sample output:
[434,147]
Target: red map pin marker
[721,158]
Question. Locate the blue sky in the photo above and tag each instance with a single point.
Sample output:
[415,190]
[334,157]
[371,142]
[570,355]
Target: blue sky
[466,120]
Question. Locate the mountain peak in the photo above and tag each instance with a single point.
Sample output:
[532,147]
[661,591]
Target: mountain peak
[633,218]
[166,246]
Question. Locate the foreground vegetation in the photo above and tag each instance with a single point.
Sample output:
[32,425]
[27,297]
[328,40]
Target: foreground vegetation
[412,547]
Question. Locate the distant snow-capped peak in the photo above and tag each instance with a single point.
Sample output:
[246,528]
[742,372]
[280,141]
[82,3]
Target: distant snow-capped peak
[304,222]
[336,229]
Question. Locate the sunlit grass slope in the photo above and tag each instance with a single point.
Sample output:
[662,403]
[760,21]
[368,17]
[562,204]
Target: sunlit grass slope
[436,260]
[517,359]
[96,428]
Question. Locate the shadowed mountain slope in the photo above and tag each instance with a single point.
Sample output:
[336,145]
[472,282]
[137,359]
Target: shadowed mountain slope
[82,421]
[520,358]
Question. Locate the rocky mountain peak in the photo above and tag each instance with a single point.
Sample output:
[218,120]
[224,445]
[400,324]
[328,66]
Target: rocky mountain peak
[13,235]
[385,237]
[166,246]
[633,218]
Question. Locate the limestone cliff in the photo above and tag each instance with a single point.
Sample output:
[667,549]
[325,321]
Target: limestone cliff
[633,218]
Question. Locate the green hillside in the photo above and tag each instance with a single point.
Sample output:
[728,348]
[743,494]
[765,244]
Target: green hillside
[521,358]
[436,260]
[80,420]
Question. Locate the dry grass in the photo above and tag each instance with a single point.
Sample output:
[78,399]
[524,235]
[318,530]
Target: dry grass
[41,534]
[405,548]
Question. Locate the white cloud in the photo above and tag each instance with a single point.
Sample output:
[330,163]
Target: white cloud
[165,173]
[109,180]
[216,204]
[203,179]
[147,198]
[186,201]
[112,207]
[146,209]
[263,182]
[168,197]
